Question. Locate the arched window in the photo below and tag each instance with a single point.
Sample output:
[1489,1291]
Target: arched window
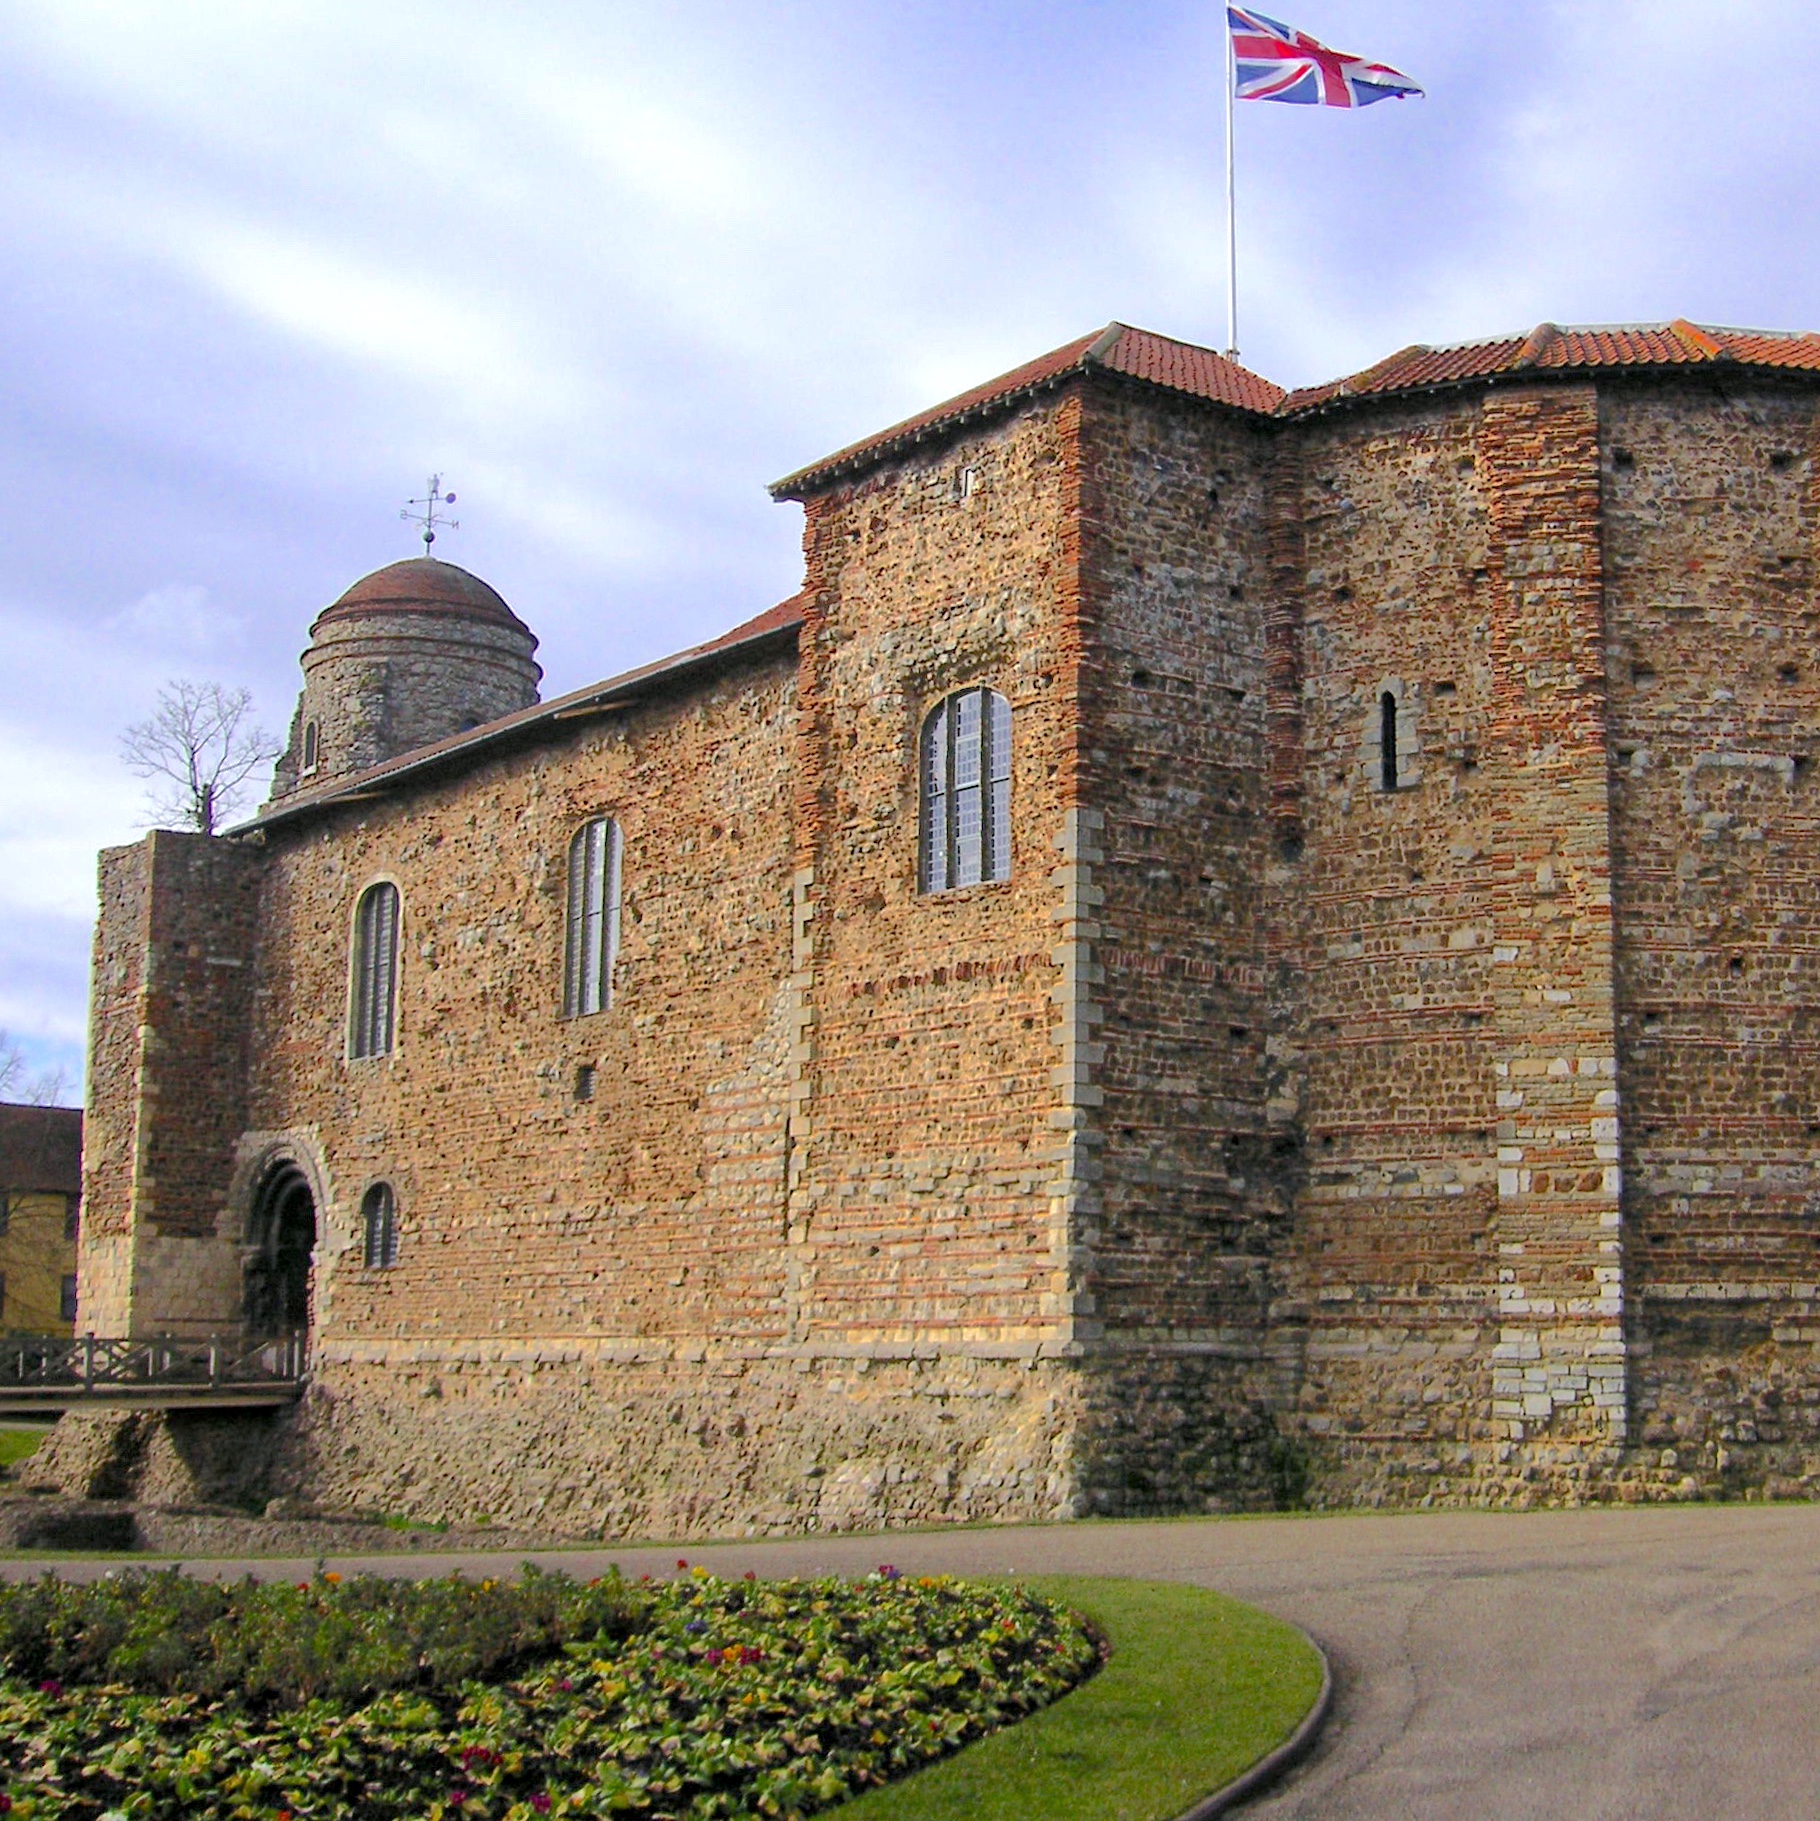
[312,745]
[379,1223]
[966,785]
[1387,741]
[373,998]
[593,924]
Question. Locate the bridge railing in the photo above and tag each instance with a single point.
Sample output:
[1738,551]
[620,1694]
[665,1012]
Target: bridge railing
[93,1363]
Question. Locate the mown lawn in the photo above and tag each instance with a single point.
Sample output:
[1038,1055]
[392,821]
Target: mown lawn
[17,1443]
[1199,1687]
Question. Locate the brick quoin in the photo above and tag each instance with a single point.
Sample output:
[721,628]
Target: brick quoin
[1387,1074]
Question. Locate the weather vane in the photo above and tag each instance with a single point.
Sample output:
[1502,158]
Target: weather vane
[428,518]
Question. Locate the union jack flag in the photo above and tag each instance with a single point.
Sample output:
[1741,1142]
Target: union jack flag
[1277,63]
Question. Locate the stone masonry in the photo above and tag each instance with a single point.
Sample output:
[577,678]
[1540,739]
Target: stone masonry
[1385,1074]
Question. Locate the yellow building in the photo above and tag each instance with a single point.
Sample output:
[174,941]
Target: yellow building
[40,1195]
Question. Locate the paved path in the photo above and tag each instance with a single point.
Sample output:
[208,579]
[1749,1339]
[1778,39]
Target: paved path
[1592,1665]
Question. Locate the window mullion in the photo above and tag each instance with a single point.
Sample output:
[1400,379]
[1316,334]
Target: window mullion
[988,835]
[953,791]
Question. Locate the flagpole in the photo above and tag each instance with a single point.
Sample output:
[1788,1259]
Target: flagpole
[1232,217]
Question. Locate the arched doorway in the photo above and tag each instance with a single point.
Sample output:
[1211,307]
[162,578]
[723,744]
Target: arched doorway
[281,1239]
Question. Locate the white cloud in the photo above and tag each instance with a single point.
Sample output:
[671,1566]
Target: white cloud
[409,325]
[64,802]
[177,619]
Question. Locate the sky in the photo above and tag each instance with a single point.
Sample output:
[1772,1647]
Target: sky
[610,268]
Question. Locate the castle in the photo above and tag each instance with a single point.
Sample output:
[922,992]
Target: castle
[1228,948]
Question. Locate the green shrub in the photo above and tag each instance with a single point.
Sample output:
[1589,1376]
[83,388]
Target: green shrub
[270,1645]
[687,1700]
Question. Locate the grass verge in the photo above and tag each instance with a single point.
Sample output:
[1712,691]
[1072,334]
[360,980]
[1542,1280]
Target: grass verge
[17,1444]
[1198,1689]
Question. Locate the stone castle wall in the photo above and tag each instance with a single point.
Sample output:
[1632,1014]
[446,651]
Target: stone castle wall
[1711,518]
[921,1211]
[563,1185]
[1387,939]
[1193,1184]
[172,989]
[1269,1134]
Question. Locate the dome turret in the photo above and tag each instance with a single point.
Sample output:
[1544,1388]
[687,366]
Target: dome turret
[410,654]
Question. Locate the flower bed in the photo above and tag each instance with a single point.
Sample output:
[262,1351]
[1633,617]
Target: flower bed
[151,1695]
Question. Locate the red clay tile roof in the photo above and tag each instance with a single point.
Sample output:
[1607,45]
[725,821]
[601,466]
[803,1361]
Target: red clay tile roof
[40,1148]
[1157,360]
[1180,366]
[1549,348]
[762,630]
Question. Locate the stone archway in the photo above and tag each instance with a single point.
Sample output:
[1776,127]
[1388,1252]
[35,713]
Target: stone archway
[281,1245]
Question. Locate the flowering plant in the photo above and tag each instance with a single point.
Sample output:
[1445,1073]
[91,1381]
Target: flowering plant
[693,1699]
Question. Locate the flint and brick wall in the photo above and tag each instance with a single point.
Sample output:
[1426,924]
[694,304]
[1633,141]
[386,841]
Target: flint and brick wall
[173,981]
[1268,1132]
[1386,939]
[1194,1194]
[930,1238]
[584,1259]
[1711,519]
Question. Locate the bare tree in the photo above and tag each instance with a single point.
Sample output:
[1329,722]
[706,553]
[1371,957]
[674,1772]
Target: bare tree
[19,1086]
[200,746]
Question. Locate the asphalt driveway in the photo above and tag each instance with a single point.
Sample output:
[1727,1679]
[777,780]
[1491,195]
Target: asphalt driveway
[1659,1663]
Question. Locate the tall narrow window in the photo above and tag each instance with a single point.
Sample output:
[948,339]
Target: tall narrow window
[66,1297]
[379,1218]
[593,926]
[373,1001]
[1387,741]
[312,745]
[966,788]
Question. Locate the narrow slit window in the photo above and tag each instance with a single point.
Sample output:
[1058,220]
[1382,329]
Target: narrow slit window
[372,1015]
[312,745]
[379,1221]
[965,766]
[592,938]
[1387,741]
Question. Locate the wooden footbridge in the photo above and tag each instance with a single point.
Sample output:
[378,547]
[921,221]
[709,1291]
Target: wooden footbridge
[44,1374]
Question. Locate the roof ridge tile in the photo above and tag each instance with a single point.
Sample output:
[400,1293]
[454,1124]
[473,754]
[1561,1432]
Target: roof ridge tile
[1107,339]
[1538,344]
[1693,336]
